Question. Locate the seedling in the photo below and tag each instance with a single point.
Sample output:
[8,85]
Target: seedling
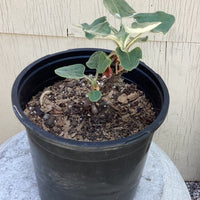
[123,57]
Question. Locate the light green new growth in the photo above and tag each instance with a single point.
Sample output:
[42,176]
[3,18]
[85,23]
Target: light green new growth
[124,37]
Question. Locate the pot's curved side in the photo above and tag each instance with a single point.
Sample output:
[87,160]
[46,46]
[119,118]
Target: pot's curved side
[106,175]
[67,169]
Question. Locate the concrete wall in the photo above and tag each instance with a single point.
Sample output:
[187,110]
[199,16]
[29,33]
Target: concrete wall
[30,29]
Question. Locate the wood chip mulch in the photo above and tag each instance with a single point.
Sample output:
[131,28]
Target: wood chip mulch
[63,109]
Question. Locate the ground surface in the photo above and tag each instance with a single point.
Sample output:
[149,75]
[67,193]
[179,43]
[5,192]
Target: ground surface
[194,189]
[65,110]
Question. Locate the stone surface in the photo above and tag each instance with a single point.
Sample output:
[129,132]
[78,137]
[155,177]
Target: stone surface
[194,189]
[160,180]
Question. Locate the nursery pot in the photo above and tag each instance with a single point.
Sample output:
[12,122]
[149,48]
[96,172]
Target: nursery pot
[76,170]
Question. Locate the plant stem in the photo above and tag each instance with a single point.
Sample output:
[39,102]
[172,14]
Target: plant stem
[96,76]
[90,80]
[114,39]
[93,81]
[121,22]
[111,54]
[132,42]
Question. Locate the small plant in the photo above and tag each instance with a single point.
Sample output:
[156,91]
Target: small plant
[123,58]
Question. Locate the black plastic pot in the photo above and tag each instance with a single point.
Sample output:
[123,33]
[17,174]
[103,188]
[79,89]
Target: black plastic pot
[74,170]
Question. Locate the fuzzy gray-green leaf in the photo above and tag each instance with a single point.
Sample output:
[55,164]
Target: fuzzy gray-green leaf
[100,27]
[75,71]
[166,20]
[137,28]
[113,29]
[118,8]
[122,34]
[142,39]
[99,61]
[94,95]
[129,60]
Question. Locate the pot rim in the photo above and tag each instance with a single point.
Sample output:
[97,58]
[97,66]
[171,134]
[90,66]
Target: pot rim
[59,141]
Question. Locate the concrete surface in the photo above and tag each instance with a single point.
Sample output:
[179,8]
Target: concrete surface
[160,180]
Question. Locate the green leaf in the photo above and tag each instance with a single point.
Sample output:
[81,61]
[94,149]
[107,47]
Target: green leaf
[142,27]
[113,29]
[166,20]
[89,36]
[99,61]
[142,39]
[75,71]
[100,27]
[94,95]
[129,60]
[122,35]
[118,8]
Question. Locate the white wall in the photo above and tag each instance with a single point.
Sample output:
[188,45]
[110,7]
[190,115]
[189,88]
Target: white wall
[30,29]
